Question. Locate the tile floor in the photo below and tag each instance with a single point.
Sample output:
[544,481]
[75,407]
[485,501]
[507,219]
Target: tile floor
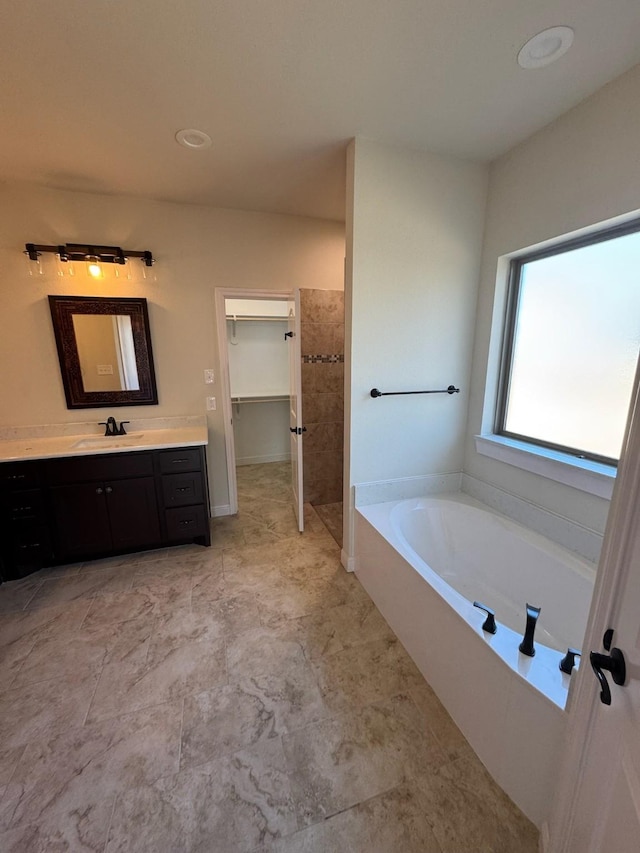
[246,698]
[331,517]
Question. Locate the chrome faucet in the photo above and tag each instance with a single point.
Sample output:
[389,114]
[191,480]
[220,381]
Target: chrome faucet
[112,428]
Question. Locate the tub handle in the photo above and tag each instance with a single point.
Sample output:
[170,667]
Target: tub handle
[489,624]
[568,662]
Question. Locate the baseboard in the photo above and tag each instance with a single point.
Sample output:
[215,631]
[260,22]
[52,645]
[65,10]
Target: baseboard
[222,509]
[259,460]
[348,562]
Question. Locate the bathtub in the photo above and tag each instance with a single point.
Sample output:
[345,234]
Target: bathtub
[424,561]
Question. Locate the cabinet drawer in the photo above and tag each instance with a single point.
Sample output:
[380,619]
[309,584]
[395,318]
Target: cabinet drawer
[18,475]
[110,466]
[30,546]
[186,523]
[180,459]
[182,489]
[17,506]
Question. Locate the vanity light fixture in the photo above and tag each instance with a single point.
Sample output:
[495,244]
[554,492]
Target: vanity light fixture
[93,256]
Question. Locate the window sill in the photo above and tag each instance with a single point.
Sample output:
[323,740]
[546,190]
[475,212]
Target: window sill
[592,477]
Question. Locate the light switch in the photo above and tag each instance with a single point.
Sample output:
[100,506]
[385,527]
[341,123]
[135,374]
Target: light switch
[209,377]
[211,404]
[105,369]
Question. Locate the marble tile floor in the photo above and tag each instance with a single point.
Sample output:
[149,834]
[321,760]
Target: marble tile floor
[246,698]
[331,517]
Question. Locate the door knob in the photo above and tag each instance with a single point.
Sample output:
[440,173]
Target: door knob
[613,663]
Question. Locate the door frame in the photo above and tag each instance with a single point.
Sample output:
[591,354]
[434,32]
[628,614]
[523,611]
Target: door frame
[622,528]
[222,293]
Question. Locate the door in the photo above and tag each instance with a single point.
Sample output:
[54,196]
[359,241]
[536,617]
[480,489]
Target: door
[81,520]
[295,407]
[133,513]
[598,796]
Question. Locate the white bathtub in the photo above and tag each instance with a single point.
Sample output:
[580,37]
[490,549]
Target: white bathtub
[424,561]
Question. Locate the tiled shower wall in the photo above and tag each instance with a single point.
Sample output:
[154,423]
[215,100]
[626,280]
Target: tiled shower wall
[322,343]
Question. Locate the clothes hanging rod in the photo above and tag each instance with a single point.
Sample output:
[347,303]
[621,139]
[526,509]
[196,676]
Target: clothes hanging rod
[262,318]
[450,390]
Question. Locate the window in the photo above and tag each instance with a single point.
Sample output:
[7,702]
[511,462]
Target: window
[571,345]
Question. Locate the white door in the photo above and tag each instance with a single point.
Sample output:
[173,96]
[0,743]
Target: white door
[295,407]
[598,796]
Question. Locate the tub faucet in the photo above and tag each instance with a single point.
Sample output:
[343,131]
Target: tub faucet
[526,646]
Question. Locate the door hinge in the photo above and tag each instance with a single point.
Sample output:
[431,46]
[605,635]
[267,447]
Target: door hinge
[297,430]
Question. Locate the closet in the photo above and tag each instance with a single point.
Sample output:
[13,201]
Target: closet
[259,379]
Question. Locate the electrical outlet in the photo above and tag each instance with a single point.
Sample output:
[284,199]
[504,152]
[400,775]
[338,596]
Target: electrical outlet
[209,377]
[211,404]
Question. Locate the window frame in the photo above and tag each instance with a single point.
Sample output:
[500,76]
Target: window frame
[516,265]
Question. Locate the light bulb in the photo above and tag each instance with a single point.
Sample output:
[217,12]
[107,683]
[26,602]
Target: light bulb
[94,269]
[64,267]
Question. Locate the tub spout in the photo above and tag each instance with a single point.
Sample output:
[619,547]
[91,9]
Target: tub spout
[489,624]
[526,646]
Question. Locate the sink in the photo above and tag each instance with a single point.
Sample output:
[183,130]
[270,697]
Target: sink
[107,441]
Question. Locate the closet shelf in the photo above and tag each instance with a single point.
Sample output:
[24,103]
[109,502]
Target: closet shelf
[259,398]
[260,317]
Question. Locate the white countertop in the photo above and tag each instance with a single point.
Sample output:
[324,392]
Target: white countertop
[142,435]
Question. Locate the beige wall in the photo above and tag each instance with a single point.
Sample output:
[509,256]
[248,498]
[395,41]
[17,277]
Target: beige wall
[414,234]
[198,248]
[581,170]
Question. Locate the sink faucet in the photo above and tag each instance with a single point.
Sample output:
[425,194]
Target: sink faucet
[112,428]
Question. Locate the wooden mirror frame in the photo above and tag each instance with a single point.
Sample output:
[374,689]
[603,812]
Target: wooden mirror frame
[62,310]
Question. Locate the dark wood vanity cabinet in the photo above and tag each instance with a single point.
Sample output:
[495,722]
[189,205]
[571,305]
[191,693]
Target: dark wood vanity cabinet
[184,493]
[25,544]
[61,510]
[103,504]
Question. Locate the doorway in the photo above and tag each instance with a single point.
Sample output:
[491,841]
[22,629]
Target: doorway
[256,382]
[314,344]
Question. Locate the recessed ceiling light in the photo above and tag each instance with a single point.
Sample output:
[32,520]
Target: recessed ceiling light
[545,47]
[192,138]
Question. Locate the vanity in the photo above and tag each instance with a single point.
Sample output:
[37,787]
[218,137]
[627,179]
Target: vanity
[72,491]
[79,497]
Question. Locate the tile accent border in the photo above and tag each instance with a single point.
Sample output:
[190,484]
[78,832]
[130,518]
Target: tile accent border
[323,359]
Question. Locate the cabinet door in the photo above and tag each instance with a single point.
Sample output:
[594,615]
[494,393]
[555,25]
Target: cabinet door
[81,520]
[133,513]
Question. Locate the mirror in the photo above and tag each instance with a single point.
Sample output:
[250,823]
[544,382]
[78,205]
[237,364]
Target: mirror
[104,347]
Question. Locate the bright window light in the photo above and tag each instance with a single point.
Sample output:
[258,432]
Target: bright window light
[572,345]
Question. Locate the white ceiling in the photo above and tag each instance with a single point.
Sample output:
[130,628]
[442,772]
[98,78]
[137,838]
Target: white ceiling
[92,92]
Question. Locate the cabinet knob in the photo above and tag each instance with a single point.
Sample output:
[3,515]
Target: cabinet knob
[99,490]
[108,490]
